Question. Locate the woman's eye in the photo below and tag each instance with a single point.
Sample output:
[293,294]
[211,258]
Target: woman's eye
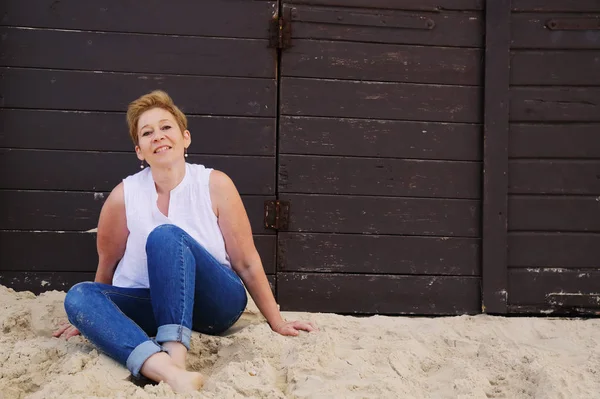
[145,133]
[166,127]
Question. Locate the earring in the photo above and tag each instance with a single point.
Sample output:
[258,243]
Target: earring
[142,165]
[185,154]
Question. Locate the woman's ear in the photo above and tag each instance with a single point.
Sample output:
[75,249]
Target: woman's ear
[138,152]
[187,136]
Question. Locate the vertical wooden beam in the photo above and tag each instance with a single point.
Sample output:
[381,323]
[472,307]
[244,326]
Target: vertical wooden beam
[495,156]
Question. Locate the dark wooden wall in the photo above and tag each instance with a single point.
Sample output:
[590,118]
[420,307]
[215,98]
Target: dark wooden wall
[68,71]
[380,157]
[440,157]
[554,155]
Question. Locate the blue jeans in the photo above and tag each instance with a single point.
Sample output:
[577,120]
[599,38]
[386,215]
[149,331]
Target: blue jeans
[189,290]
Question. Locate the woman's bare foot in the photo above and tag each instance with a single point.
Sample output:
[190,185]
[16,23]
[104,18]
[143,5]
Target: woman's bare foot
[186,381]
[177,351]
[160,367]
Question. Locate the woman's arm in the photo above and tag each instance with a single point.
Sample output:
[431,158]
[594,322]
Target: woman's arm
[112,235]
[237,233]
[110,241]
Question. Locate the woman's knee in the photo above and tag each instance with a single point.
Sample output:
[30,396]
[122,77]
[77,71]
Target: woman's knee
[162,234]
[78,297]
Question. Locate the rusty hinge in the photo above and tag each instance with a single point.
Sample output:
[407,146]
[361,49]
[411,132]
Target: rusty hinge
[280,30]
[574,24]
[277,214]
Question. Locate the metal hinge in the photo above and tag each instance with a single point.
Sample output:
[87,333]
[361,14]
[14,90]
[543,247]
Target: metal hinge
[277,214]
[280,30]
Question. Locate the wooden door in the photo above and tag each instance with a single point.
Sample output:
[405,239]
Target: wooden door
[379,156]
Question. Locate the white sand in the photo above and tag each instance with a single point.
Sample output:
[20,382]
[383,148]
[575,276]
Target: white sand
[375,357]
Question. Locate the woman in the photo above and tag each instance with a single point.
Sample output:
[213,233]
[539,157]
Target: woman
[174,246]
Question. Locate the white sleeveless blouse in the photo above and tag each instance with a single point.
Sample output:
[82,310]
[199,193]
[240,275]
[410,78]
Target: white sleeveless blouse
[190,208]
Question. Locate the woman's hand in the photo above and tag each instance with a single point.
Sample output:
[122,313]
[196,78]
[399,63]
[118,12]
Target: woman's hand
[67,331]
[292,328]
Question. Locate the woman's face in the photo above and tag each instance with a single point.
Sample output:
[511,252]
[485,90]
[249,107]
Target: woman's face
[161,141]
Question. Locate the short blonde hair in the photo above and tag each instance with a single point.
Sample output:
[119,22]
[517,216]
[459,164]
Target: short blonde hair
[155,99]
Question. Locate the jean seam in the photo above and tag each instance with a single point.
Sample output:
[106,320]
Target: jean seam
[182,268]
[126,295]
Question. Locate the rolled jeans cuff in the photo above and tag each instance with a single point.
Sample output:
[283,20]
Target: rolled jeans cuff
[140,354]
[174,332]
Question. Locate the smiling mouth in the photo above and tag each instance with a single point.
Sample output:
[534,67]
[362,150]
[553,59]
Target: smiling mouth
[162,149]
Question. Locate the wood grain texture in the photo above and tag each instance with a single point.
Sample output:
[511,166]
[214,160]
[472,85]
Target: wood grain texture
[555,104]
[452,29]
[156,54]
[543,213]
[178,17]
[379,176]
[368,294]
[76,251]
[555,5]
[100,171]
[383,62]
[573,140]
[567,68]
[533,287]
[70,90]
[554,177]
[107,131]
[495,156]
[60,210]
[350,253]
[38,282]
[350,99]
[554,250]
[383,215]
[428,5]
[530,31]
[379,138]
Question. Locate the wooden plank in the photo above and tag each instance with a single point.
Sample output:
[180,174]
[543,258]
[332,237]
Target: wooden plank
[556,5]
[216,135]
[38,282]
[52,89]
[94,51]
[428,5]
[451,29]
[554,140]
[383,62]
[555,104]
[383,215]
[179,17]
[558,250]
[495,156]
[76,251]
[350,99]
[379,176]
[379,138]
[48,251]
[539,213]
[350,253]
[580,177]
[101,171]
[533,286]
[368,294]
[59,210]
[555,68]
[530,31]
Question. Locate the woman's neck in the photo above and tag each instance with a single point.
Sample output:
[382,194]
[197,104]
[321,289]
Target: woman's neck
[166,179]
